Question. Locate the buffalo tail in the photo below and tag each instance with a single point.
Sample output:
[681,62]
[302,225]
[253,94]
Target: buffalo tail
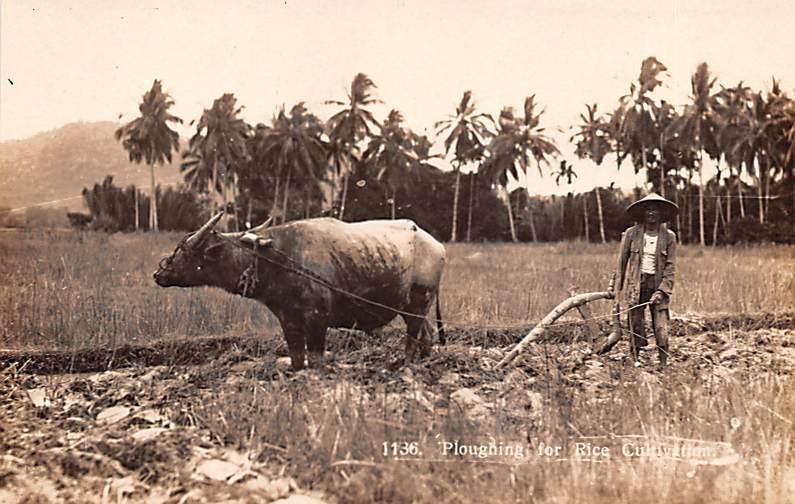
[439,325]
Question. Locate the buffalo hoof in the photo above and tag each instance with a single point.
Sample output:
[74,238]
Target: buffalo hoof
[316,360]
[283,364]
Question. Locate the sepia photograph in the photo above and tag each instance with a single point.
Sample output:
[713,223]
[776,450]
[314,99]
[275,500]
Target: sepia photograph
[397,251]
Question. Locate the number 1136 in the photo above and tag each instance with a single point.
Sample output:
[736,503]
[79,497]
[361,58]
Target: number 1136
[402,448]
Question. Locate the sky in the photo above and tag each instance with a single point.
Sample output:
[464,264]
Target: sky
[92,60]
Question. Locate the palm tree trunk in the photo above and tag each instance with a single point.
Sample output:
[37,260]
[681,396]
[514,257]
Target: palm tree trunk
[286,194]
[585,213]
[701,200]
[213,188]
[275,206]
[455,202]
[662,168]
[767,192]
[715,224]
[645,160]
[233,188]
[248,214]
[532,225]
[510,219]
[344,196]
[601,217]
[689,203]
[740,194]
[477,192]
[224,196]
[516,212]
[760,201]
[792,187]
[137,210]
[471,198]
[222,183]
[678,219]
[153,201]
[393,203]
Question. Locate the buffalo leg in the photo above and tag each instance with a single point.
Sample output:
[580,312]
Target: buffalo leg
[425,338]
[418,338]
[418,330]
[316,345]
[295,345]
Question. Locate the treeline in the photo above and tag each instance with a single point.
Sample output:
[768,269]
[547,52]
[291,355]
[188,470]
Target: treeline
[355,166]
[537,218]
[113,208]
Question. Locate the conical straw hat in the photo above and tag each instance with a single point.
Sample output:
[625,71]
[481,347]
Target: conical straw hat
[668,209]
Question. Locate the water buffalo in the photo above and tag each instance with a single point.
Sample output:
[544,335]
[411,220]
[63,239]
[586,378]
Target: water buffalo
[319,273]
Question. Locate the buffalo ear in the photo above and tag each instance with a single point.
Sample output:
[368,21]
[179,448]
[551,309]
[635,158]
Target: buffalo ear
[213,252]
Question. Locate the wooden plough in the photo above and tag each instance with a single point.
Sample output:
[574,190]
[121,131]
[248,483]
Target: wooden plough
[580,302]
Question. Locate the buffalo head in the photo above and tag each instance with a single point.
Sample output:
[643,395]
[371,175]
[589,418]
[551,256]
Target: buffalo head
[186,266]
[203,257]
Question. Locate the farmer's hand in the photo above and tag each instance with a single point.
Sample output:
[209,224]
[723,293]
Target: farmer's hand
[657,298]
[611,293]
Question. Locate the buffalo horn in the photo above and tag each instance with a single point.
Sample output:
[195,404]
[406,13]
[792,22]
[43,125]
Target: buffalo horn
[199,235]
[261,226]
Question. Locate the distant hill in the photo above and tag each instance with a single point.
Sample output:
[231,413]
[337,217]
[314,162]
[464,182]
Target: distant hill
[58,164]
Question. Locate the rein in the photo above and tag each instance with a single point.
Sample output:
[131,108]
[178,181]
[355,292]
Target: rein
[165,263]
[314,277]
[249,279]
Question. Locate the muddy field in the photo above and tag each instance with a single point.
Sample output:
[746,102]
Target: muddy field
[115,390]
[222,420]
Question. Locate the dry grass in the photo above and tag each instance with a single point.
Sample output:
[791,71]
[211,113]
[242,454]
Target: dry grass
[333,440]
[507,283]
[86,290]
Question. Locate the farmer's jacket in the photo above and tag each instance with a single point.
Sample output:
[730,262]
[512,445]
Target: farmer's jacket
[628,278]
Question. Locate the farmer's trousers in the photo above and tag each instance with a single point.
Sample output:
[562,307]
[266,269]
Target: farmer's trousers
[659,319]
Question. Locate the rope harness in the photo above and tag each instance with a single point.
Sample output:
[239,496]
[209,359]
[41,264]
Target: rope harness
[249,280]
[165,263]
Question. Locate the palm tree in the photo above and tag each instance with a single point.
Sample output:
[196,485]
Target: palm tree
[293,147]
[219,147]
[668,155]
[614,125]
[350,126]
[781,136]
[258,181]
[149,137]
[566,170]
[517,141]
[634,123]
[468,133]
[749,142]
[731,106]
[594,143]
[697,131]
[728,105]
[197,174]
[391,155]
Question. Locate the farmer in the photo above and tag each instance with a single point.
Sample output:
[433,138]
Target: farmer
[646,271]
